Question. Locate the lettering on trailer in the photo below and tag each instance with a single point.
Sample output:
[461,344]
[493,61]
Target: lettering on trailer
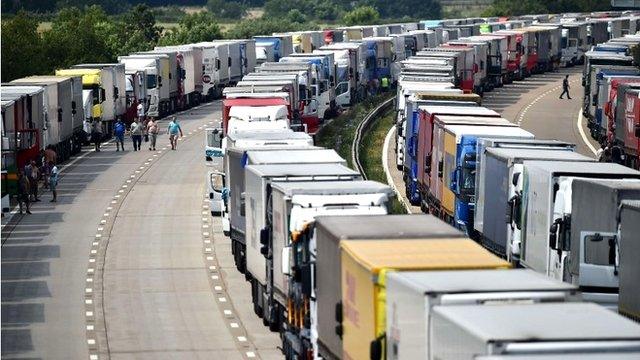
[350,310]
[629,115]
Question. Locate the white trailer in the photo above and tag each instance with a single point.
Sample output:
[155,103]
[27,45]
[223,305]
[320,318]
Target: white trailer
[462,332]
[157,70]
[411,297]
[215,75]
[189,60]
[118,81]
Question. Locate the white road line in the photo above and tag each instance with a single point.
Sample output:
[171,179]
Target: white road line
[385,165]
[583,135]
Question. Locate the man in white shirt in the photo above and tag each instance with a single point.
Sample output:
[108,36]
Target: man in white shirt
[140,111]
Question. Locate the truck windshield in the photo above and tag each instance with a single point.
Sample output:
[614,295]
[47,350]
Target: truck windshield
[151,81]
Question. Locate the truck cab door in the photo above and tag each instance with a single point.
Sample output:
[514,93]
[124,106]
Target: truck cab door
[343,94]
[213,143]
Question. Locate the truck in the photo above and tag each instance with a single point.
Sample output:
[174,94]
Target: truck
[412,296]
[459,149]
[327,313]
[235,175]
[434,181]
[497,59]
[574,43]
[248,106]
[365,266]
[136,93]
[157,70]
[64,112]
[118,81]
[606,86]
[465,60]
[545,191]
[26,123]
[502,159]
[466,331]
[592,235]
[419,134]
[175,78]
[215,62]
[628,271]
[480,56]
[258,181]
[189,60]
[357,55]
[273,48]
[627,124]
[290,248]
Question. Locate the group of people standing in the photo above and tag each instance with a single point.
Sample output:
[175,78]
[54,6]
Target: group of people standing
[42,168]
[141,127]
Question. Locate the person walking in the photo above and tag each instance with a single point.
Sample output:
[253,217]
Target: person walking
[118,130]
[24,190]
[96,134]
[53,181]
[140,111]
[565,87]
[32,173]
[173,130]
[152,132]
[136,135]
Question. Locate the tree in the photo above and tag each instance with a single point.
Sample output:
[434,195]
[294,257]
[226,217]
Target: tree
[264,26]
[363,15]
[296,16]
[193,28]
[21,47]
[75,38]
[223,9]
[141,19]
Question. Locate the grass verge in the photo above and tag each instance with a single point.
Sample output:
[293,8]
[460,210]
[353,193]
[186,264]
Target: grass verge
[339,134]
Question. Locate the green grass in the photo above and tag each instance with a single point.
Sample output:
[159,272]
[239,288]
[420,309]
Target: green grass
[339,134]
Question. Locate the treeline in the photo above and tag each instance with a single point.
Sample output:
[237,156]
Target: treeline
[523,7]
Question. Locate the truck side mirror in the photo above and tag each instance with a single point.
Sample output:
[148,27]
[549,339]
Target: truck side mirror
[264,241]
[103,94]
[159,81]
[375,349]
[73,107]
[637,131]
[59,114]
[286,260]
[514,181]
[116,92]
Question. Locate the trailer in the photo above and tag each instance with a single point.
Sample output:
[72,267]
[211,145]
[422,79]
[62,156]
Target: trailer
[629,250]
[465,331]
[291,253]
[543,193]
[118,81]
[412,296]
[258,180]
[157,70]
[365,266]
[190,61]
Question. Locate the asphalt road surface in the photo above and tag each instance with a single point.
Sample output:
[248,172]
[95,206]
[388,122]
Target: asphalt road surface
[129,264]
[533,104]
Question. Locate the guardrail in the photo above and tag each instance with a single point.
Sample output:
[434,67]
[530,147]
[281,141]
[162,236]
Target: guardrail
[362,129]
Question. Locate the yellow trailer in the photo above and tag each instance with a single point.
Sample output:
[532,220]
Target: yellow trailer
[364,268]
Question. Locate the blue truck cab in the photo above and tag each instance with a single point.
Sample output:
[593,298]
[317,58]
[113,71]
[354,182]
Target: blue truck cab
[463,177]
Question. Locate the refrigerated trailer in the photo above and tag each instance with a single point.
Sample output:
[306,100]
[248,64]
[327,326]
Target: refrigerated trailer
[465,331]
[412,296]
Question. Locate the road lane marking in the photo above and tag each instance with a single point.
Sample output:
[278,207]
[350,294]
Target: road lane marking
[583,135]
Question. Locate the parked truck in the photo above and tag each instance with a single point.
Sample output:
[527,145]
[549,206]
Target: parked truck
[497,164]
[412,296]
[629,250]
[466,331]
[64,113]
[258,180]
[327,315]
[118,81]
[290,248]
[574,43]
[592,235]
[175,76]
[271,144]
[156,68]
[544,191]
[365,266]
[190,61]
[215,62]
[273,48]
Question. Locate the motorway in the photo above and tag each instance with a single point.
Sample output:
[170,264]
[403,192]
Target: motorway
[129,263]
[533,104]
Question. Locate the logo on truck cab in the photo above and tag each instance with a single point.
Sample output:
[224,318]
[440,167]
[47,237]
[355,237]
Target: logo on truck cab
[206,79]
